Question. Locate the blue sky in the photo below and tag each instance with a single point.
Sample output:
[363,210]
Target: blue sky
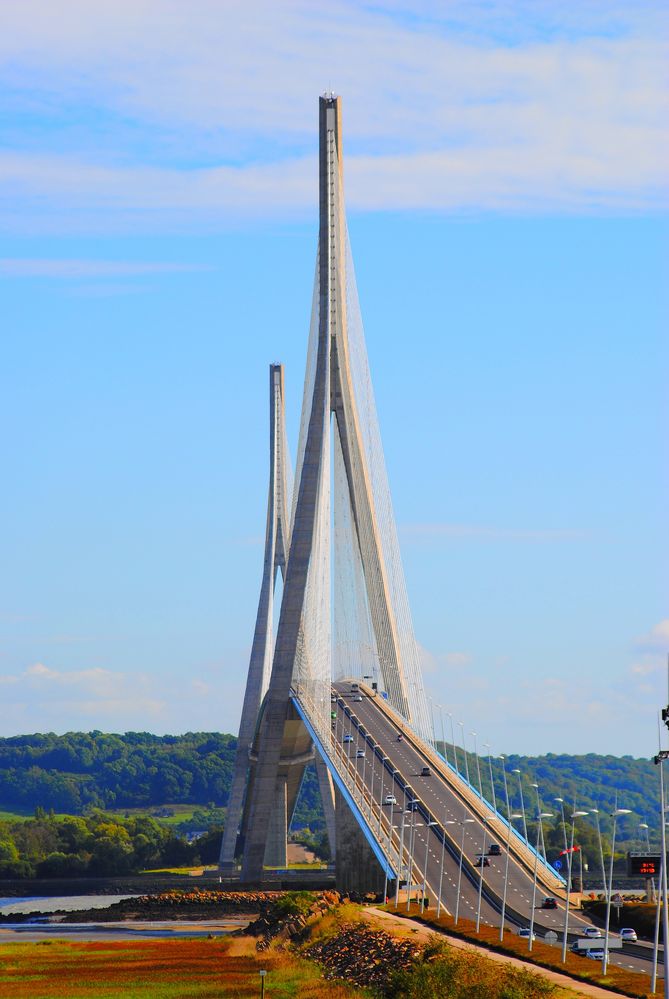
[506,184]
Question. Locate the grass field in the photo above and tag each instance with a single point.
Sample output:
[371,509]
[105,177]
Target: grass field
[160,969]
[182,813]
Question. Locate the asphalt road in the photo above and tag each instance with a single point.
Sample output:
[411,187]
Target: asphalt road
[441,804]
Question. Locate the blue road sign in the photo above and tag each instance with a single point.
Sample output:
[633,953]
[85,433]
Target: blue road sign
[557,864]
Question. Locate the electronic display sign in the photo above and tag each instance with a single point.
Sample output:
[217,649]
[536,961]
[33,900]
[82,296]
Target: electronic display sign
[643,865]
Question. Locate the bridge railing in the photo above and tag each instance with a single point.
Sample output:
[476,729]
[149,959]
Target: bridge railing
[376,828]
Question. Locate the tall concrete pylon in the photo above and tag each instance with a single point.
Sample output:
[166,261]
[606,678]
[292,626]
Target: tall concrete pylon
[332,404]
[277,545]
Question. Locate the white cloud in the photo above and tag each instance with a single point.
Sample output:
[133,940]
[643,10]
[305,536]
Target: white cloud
[503,106]
[657,639]
[47,698]
[70,268]
[482,532]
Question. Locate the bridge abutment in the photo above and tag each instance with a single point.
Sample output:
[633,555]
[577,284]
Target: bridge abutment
[357,868]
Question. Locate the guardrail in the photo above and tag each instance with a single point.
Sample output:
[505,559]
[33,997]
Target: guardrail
[523,851]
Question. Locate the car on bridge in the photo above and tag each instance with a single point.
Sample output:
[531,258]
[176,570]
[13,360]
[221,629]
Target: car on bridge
[524,933]
[596,954]
[390,799]
[549,903]
[494,850]
[426,772]
[360,755]
[358,697]
[592,933]
[628,935]
[482,861]
[347,738]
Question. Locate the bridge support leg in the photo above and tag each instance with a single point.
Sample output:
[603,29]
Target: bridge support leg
[326,788]
[357,868]
[276,850]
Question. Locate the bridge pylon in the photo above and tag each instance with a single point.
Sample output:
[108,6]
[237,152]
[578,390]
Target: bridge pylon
[340,482]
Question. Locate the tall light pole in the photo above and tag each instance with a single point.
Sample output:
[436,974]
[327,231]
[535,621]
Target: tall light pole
[384,760]
[463,823]
[446,822]
[560,801]
[482,863]
[540,817]
[614,815]
[427,841]
[570,854]
[401,863]
[486,745]
[660,758]
[543,845]
[434,737]
[412,841]
[464,750]
[595,812]
[443,734]
[515,815]
[478,764]
[522,802]
[455,752]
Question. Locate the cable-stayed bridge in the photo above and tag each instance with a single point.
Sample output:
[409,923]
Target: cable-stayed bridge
[395,809]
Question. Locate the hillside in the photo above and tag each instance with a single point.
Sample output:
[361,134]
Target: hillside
[79,771]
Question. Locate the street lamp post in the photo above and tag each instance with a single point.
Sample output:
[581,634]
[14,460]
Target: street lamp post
[570,854]
[412,843]
[463,823]
[427,841]
[464,750]
[443,734]
[478,764]
[614,815]
[262,974]
[482,862]
[446,822]
[515,815]
[540,817]
[543,845]
[384,760]
[522,802]
[434,737]
[486,745]
[401,864]
[455,752]
[595,812]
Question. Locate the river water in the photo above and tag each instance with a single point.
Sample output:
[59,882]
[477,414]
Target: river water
[129,930]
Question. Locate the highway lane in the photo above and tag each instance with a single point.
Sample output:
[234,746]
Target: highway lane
[442,804]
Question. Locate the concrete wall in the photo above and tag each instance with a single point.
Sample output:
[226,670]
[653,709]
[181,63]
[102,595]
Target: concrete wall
[357,867]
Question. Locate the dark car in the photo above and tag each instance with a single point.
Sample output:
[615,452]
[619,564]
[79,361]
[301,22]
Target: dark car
[549,903]
[494,850]
[482,861]
[400,737]
[426,772]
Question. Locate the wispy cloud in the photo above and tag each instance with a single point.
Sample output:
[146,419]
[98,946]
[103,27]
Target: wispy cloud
[506,106]
[482,532]
[69,268]
[657,639]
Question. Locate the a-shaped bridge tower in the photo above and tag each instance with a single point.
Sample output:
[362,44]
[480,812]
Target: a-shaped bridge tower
[344,610]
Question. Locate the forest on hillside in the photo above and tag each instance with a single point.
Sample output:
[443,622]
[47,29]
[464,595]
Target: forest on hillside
[78,772]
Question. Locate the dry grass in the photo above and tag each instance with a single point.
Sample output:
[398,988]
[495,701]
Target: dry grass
[160,969]
[618,979]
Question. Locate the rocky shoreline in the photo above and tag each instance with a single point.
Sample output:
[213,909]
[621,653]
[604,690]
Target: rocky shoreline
[199,904]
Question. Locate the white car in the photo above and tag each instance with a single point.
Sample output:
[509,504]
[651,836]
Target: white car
[592,933]
[596,954]
[358,697]
[390,799]
[360,755]
[524,933]
[628,935]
